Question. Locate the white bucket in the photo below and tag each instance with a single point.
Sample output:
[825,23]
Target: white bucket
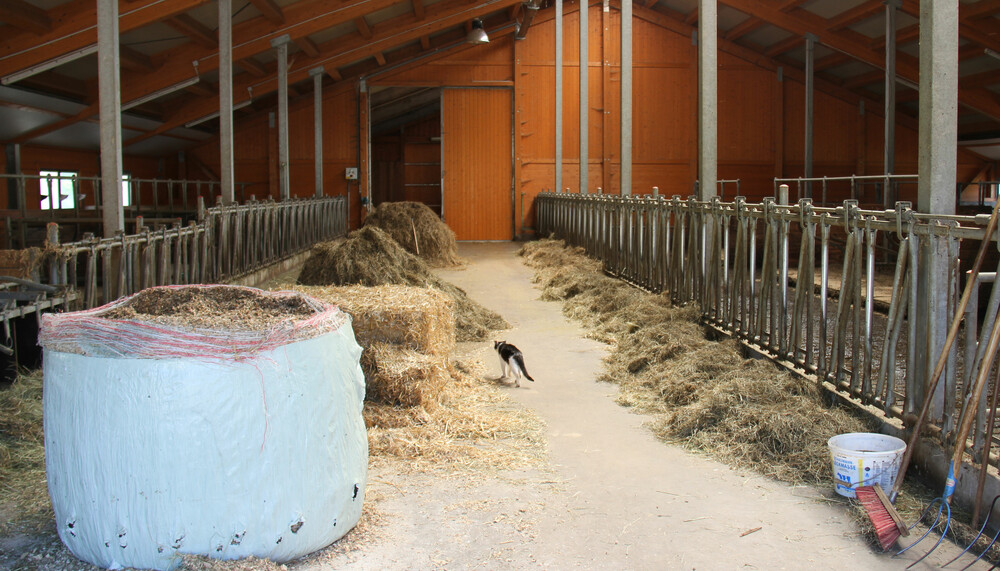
[864,459]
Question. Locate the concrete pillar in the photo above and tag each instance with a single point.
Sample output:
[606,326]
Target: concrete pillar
[807,169]
[559,93]
[111,116]
[626,97]
[584,95]
[937,160]
[317,75]
[226,160]
[708,86]
[284,184]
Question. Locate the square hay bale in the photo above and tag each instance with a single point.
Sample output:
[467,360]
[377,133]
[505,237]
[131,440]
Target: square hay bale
[417,318]
[403,377]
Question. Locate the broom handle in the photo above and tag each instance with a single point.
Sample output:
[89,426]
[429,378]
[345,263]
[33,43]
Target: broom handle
[969,411]
[943,358]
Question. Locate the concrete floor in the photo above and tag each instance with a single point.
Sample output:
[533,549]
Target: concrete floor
[613,496]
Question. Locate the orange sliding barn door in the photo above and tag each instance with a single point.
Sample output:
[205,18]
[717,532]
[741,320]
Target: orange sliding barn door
[477,169]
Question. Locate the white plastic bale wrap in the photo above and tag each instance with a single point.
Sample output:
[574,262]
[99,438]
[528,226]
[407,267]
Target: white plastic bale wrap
[261,453]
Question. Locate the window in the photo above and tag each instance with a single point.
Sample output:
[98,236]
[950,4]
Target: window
[127,189]
[57,189]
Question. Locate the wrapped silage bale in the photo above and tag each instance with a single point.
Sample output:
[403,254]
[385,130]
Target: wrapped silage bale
[210,420]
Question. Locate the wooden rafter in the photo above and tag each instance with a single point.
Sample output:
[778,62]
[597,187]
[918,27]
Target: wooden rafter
[859,13]
[20,14]
[783,46]
[743,28]
[418,9]
[134,60]
[346,50]
[307,46]
[252,66]
[74,26]
[194,29]
[270,10]
[363,28]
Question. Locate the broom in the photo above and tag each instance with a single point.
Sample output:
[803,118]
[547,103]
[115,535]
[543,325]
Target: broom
[879,507]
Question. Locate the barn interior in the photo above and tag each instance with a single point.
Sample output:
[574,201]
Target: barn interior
[818,177]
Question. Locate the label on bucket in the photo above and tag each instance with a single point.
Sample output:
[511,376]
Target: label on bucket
[852,471]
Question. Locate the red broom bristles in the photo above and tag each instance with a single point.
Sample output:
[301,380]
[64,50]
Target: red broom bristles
[887,523]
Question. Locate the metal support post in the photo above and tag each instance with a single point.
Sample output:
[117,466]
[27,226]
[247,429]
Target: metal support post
[111,117]
[284,184]
[317,75]
[708,82]
[226,159]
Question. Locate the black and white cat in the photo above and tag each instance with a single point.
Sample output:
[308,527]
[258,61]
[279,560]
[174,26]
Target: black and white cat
[511,358]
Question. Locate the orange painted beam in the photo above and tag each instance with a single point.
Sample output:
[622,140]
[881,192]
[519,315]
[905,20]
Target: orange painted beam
[75,26]
[20,14]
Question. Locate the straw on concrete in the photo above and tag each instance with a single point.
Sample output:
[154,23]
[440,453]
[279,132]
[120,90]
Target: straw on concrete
[701,392]
[22,453]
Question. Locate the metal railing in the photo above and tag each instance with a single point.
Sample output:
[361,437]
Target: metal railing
[37,199]
[225,243]
[797,282]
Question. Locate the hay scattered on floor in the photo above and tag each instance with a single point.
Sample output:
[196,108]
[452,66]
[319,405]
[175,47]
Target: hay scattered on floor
[476,428]
[419,230]
[702,393]
[370,257]
[416,318]
[22,454]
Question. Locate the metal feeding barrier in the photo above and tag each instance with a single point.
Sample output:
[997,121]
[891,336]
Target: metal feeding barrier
[802,284]
[226,242]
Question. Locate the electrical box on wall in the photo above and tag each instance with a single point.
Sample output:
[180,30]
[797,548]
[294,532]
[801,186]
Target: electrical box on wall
[351,173]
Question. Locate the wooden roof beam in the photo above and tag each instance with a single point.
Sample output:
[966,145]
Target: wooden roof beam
[194,29]
[252,66]
[363,28]
[74,26]
[134,60]
[863,79]
[270,10]
[385,36]
[743,28]
[851,43]
[783,46]
[20,14]
[981,9]
[859,13]
[307,46]
[418,9]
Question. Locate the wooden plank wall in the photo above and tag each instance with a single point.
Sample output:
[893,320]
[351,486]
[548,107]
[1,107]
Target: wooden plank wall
[477,163]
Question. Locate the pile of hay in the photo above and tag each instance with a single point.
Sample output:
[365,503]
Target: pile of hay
[22,454]
[370,257]
[702,393]
[417,229]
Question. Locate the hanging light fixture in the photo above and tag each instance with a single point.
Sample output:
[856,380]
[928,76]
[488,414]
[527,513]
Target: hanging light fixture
[477,35]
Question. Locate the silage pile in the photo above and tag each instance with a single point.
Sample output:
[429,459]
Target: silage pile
[702,393]
[370,257]
[415,227]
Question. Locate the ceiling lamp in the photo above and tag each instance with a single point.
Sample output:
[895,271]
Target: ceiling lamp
[477,35]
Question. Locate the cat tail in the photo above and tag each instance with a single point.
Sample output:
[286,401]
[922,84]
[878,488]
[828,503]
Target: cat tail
[520,363]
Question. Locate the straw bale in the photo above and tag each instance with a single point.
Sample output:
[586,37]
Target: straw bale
[370,257]
[417,229]
[398,376]
[420,319]
[701,393]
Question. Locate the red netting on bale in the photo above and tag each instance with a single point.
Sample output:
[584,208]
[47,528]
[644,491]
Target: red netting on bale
[215,322]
